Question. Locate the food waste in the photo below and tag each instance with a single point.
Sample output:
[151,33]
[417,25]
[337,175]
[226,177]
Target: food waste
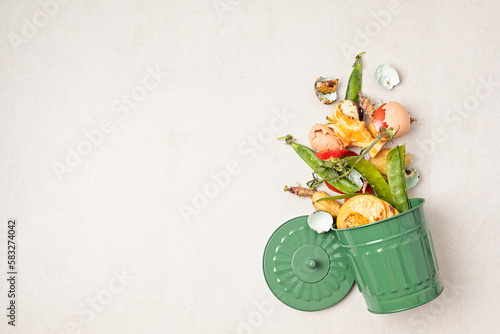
[372,189]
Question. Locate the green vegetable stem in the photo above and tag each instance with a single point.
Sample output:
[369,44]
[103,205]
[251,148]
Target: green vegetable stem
[309,156]
[395,162]
[354,84]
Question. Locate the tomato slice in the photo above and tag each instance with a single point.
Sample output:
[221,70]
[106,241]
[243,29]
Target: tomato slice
[325,155]
[332,188]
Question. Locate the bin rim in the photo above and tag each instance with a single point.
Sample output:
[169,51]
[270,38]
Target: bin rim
[334,228]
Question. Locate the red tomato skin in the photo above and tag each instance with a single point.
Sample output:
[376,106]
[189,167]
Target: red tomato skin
[379,118]
[325,155]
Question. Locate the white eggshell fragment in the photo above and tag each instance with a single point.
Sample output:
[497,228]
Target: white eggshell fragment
[320,221]
[355,177]
[386,76]
[412,177]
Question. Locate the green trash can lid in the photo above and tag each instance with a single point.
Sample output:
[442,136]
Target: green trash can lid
[306,270]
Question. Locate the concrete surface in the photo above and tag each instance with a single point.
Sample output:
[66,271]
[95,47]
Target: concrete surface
[140,163]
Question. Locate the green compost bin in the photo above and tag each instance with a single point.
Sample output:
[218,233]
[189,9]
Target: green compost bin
[393,261]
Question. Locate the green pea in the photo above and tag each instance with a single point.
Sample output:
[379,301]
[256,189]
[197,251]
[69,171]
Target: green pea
[354,84]
[395,162]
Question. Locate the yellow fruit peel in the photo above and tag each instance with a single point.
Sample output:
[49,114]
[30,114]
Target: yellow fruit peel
[330,206]
[380,161]
[362,210]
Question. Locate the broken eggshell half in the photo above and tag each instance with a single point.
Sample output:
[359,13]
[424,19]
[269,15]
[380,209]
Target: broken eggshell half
[386,76]
[412,177]
[326,89]
[394,115]
[320,221]
[322,138]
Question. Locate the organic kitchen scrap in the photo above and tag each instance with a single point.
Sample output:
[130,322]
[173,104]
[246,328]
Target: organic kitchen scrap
[373,189]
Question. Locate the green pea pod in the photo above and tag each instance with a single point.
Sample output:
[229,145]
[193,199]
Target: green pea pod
[374,178]
[309,156]
[397,180]
[354,84]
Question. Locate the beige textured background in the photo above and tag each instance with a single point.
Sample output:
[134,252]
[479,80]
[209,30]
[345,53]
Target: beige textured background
[176,93]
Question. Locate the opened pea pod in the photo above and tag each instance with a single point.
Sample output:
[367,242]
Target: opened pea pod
[396,178]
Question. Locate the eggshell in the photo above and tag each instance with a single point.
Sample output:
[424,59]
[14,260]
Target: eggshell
[325,89]
[322,138]
[386,76]
[392,114]
[412,177]
[320,221]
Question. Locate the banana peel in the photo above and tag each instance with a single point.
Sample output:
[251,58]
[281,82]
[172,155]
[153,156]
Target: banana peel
[364,209]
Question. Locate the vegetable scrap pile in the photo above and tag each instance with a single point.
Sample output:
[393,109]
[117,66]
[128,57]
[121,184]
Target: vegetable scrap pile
[373,189]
